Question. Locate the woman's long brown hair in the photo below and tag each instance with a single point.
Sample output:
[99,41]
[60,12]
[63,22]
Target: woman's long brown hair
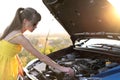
[21,14]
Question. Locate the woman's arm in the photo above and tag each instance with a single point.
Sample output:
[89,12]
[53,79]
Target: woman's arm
[29,47]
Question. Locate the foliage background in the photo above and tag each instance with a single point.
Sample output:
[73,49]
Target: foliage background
[45,44]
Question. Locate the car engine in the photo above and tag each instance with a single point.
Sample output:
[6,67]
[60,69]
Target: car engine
[85,68]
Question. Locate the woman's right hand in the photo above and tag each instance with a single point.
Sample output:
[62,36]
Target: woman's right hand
[68,71]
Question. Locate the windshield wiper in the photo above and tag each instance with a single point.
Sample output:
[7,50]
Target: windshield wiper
[82,43]
[106,46]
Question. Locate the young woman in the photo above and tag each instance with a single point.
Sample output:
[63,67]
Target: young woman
[12,41]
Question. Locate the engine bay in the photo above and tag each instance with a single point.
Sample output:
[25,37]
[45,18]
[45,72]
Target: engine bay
[85,68]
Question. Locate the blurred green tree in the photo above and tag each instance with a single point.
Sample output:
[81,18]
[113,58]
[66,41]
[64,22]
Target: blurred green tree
[46,47]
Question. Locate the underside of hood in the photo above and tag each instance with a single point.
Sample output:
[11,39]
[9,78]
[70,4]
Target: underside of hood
[79,16]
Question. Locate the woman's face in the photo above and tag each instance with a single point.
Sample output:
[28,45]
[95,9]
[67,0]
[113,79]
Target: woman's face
[30,26]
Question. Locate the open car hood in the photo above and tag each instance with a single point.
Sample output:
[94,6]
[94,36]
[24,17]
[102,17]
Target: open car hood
[85,16]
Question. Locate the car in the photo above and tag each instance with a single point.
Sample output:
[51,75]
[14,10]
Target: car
[94,30]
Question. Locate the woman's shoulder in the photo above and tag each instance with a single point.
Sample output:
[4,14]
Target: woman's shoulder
[12,35]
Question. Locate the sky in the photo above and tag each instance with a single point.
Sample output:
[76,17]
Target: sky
[47,24]
[116,4]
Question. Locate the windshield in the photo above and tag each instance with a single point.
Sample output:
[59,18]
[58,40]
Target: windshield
[101,44]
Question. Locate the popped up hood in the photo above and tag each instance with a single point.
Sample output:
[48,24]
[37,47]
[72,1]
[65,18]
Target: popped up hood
[85,16]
